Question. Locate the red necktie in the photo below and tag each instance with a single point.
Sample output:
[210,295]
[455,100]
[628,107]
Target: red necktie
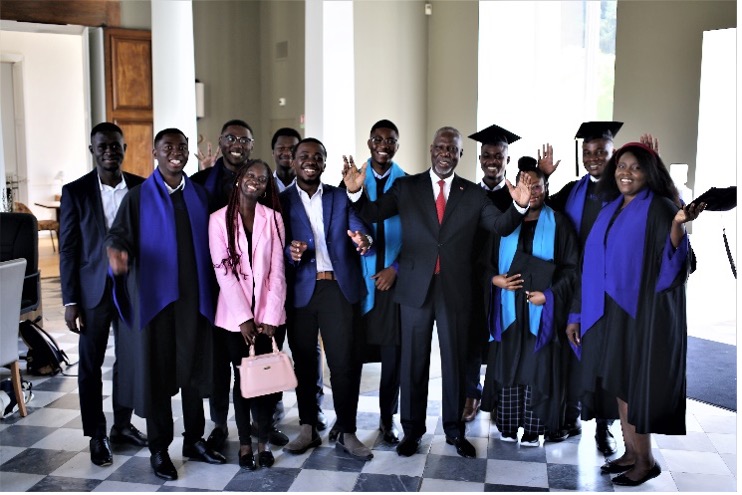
[440,207]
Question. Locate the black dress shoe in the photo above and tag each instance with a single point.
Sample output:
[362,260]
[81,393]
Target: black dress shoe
[128,434]
[163,466]
[201,452]
[334,433]
[277,437]
[217,438]
[266,459]
[247,461]
[389,432]
[463,447]
[574,429]
[604,441]
[408,446]
[100,451]
[624,480]
[321,420]
[556,436]
[611,467]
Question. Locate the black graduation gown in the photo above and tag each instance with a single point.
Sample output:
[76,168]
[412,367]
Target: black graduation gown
[194,350]
[642,360]
[512,361]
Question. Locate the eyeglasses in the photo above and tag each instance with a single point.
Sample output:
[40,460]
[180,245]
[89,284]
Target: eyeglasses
[261,180]
[243,140]
[377,140]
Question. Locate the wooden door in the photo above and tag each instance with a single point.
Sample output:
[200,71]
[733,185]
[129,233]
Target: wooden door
[129,94]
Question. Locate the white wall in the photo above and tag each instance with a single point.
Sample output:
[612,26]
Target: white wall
[55,110]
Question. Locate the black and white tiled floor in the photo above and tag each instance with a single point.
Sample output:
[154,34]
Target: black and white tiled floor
[46,450]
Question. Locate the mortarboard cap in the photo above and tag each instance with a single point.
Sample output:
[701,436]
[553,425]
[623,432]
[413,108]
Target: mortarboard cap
[527,164]
[719,198]
[595,129]
[494,134]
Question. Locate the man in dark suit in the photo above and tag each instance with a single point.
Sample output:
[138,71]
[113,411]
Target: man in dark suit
[440,213]
[325,285]
[88,208]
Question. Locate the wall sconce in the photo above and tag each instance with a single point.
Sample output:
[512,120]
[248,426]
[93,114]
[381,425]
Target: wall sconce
[199,99]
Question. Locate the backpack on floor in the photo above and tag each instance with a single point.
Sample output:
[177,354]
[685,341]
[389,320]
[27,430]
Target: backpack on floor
[44,357]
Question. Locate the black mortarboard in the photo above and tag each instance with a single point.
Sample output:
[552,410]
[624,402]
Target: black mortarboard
[596,129]
[537,273]
[719,198]
[494,134]
[527,164]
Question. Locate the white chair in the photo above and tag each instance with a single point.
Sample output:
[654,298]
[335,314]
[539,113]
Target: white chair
[11,285]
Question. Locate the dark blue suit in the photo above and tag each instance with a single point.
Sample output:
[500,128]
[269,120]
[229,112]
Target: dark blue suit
[83,267]
[328,306]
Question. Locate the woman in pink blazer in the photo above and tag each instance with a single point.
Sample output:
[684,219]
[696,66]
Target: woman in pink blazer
[246,240]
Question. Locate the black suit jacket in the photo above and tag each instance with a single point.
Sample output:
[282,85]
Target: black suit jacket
[83,263]
[424,239]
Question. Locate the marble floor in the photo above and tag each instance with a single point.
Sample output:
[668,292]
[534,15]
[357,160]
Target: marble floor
[46,450]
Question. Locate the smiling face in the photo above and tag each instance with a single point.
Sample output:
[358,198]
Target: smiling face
[171,153]
[493,159]
[631,177]
[309,163]
[236,143]
[445,152]
[255,181]
[282,150]
[108,150]
[595,156]
[383,145]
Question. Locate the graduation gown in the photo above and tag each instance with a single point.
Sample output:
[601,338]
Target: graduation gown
[641,360]
[193,360]
[513,361]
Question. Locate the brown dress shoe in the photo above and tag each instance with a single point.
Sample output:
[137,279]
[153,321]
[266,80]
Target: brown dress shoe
[471,408]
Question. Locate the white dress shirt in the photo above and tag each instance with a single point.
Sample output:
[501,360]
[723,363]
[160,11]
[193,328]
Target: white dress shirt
[313,207]
[111,198]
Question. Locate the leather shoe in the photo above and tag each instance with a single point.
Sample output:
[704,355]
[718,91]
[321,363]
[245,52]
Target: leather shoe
[604,441]
[201,452]
[349,443]
[556,436]
[463,447]
[266,459]
[574,429]
[163,466]
[128,434]
[408,446]
[100,451]
[471,408]
[624,480]
[389,432]
[247,461]
[277,437]
[611,467]
[217,438]
[308,438]
[321,420]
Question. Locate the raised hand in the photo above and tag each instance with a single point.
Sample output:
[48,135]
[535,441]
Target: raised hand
[546,160]
[521,193]
[650,142]
[352,177]
[207,160]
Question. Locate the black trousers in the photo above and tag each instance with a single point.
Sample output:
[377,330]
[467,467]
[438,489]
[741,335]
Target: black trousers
[260,407]
[96,327]
[417,332]
[219,398]
[164,330]
[391,358]
[331,314]
[280,338]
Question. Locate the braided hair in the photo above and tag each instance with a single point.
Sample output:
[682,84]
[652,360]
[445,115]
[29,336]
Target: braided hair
[269,199]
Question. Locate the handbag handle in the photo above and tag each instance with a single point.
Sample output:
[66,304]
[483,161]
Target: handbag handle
[252,347]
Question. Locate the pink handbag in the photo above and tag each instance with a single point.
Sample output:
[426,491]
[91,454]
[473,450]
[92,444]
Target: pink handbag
[267,373]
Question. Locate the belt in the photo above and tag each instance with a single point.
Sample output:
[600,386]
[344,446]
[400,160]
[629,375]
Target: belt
[325,276]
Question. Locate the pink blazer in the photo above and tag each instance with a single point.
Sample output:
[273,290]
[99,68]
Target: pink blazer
[235,296]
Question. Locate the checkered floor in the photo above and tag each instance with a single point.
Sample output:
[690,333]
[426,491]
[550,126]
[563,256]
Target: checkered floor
[46,451]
